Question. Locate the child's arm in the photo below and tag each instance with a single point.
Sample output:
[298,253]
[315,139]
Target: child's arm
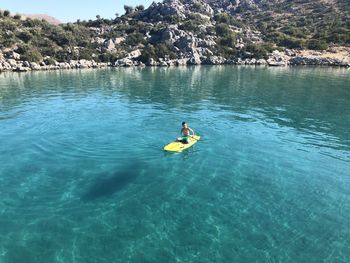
[192,132]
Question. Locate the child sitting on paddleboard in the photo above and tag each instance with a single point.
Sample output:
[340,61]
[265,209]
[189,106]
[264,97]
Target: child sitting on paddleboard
[186,133]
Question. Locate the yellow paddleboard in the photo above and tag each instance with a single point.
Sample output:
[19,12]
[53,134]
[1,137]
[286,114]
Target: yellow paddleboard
[179,146]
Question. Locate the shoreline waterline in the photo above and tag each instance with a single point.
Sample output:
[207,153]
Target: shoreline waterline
[172,66]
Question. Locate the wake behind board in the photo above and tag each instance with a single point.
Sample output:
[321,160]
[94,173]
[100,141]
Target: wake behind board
[179,146]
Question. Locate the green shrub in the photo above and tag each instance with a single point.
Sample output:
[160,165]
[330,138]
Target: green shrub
[6,13]
[222,18]
[8,25]
[17,16]
[49,50]
[108,57]
[290,42]
[222,29]
[32,23]
[25,36]
[192,23]
[135,39]
[63,55]
[257,51]
[149,52]
[8,41]
[188,26]
[159,51]
[197,7]
[262,26]
[164,50]
[50,61]
[226,52]
[86,53]
[229,40]
[173,19]
[315,44]
[32,55]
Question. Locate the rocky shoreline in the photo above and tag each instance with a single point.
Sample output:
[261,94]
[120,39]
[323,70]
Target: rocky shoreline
[11,61]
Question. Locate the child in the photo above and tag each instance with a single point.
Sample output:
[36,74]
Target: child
[185,132]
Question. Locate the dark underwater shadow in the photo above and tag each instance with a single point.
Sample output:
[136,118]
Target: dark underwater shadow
[110,184]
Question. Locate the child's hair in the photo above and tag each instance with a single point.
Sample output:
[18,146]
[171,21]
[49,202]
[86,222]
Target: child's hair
[183,123]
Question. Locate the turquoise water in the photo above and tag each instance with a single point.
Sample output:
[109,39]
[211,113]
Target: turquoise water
[83,177]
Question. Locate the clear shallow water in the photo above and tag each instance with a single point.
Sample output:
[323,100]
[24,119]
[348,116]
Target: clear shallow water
[83,177]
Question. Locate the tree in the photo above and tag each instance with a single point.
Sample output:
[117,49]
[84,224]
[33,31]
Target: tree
[6,13]
[17,16]
[128,9]
[98,17]
[140,8]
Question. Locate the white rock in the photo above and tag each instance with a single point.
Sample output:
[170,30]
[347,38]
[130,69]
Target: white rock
[134,54]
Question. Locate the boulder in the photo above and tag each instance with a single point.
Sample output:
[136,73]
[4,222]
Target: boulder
[83,63]
[273,63]
[6,66]
[26,64]
[98,40]
[109,44]
[118,40]
[181,62]
[21,69]
[261,62]
[124,62]
[290,52]
[64,65]
[73,64]
[247,61]
[102,65]
[163,64]
[239,61]
[12,63]
[195,59]
[214,60]
[152,62]
[134,54]
[13,55]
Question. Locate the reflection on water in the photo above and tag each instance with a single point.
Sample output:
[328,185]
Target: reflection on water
[81,163]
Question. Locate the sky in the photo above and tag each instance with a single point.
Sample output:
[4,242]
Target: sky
[71,10]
